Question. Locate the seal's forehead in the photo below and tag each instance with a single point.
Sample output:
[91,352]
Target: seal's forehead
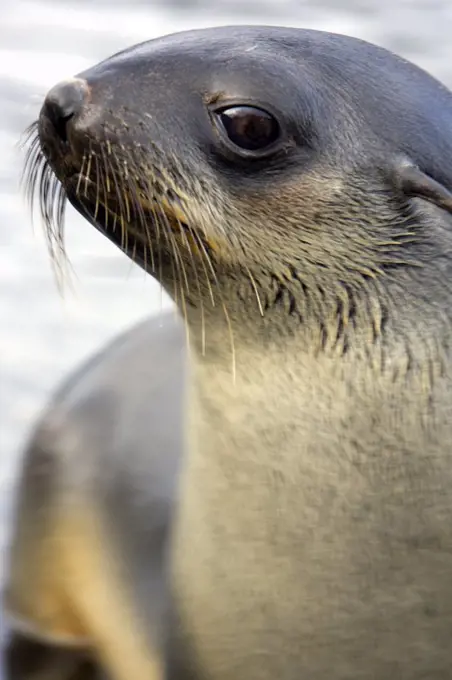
[230,45]
[217,44]
[246,58]
[203,54]
[244,62]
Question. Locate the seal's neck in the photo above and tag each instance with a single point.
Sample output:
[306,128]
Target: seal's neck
[264,313]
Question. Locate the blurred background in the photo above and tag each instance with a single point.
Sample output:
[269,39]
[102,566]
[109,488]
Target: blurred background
[42,334]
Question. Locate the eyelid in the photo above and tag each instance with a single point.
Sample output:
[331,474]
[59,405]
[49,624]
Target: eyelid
[220,103]
[223,109]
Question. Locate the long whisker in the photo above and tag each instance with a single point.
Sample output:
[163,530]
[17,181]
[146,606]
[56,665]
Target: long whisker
[183,235]
[169,237]
[116,186]
[143,220]
[103,179]
[156,222]
[133,189]
[88,172]
[256,291]
[98,186]
[163,230]
[225,311]
[79,181]
[40,185]
[182,272]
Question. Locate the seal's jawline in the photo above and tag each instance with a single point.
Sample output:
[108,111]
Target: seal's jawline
[133,238]
[115,229]
[78,185]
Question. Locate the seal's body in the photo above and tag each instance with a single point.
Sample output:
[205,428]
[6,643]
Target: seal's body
[290,189]
[97,494]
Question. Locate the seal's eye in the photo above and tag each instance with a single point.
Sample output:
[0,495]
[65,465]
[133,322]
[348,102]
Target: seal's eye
[249,128]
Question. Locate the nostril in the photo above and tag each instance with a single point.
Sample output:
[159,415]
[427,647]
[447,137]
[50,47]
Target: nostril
[59,123]
[63,102]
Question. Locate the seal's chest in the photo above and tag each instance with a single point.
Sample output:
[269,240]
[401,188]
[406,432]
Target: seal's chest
[294,564]
[332,568]
[315,534]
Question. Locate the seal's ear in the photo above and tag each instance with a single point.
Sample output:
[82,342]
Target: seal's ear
[412,182]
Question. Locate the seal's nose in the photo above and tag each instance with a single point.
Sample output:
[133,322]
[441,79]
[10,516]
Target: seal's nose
[63,102]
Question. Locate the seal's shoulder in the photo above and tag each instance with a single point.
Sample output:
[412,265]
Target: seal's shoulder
[129,393]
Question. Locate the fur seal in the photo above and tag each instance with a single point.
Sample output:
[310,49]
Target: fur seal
[291,190]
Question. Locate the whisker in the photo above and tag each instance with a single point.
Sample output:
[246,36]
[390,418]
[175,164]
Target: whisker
[176,251]
[256,291]
[134,192]
[118,195]
[158,217]
[205,257]
[141,215]
[174,262]
[103,172]
[182,274]
[225,311]
[80,175]
[96,206]
[88,172]
[198,285]
[126,200]
[41,186]
[156,221]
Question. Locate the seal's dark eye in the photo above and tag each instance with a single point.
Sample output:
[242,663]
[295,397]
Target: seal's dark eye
[249,128]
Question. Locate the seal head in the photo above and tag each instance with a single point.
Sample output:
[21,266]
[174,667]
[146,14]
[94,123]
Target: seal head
[273,165]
